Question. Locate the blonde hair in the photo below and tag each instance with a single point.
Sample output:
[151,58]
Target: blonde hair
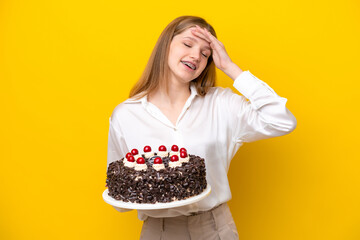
[157,70]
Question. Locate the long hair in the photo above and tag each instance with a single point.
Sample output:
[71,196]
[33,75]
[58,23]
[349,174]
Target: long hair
[157,70]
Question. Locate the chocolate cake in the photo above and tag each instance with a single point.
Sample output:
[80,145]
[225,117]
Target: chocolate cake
[156,177]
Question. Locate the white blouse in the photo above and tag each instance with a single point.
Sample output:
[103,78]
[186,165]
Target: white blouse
[213,127]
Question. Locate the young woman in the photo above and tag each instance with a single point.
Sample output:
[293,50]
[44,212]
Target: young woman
[175,102]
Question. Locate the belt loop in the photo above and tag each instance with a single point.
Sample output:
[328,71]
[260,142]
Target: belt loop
[162,223]
[215,220]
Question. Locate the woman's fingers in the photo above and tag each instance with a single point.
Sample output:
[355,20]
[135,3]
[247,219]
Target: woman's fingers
[200,33]
[213,39]
[220,56]
[203,33]
[215,44]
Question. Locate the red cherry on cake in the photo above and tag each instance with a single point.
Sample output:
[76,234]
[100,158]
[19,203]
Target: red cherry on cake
[162,148]
[147,149]
[183,154]
[174,148]
[131,159]
[140,160]
[158,160]
[174,158]
[134,151]
[128,155]
[183,150]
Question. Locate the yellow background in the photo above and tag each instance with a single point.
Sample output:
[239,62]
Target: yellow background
[65,65]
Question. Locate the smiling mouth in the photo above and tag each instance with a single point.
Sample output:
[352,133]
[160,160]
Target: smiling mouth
[190,65]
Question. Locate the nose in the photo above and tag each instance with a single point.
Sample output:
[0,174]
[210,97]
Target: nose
[195,54]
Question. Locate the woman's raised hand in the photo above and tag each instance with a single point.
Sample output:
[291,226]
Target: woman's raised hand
[219,54]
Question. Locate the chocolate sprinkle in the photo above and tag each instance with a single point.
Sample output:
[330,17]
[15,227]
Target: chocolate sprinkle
[151,186]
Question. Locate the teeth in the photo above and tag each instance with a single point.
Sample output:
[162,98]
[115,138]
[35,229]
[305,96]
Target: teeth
[192,66]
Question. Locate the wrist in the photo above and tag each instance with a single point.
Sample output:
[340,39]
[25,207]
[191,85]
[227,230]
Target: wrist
[233,71]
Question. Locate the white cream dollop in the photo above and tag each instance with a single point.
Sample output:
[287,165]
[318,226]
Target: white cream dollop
[158,166]
[140,167]
[129,164]
[163,153]
[185,159]
[174,164]
[149,154]
[137,156]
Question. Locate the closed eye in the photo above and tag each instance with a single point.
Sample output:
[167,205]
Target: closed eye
[190,47]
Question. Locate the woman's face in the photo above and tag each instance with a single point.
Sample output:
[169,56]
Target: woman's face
[188,56]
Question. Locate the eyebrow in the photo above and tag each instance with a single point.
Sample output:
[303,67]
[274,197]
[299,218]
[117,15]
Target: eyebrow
[194,39]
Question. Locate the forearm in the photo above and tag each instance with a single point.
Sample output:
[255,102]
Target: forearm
[233,71]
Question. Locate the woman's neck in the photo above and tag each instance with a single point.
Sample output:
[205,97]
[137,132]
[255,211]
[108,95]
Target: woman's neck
[177,94]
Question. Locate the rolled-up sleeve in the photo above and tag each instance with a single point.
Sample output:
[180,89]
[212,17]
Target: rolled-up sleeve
[260,113]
